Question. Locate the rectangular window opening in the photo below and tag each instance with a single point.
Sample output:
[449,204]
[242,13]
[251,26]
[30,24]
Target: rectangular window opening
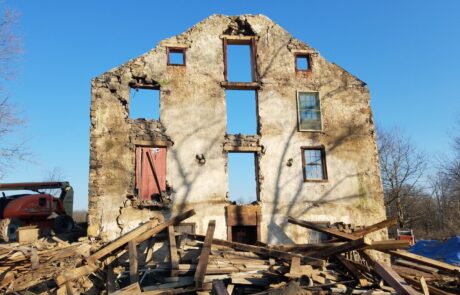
[241,112]
[309,111]
[242,182]
[144,103]
[302,62]
[239,63]
[176,56]
[314,164]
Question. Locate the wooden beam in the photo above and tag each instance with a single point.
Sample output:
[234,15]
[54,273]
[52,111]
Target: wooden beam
[393,279]
[174,258]
[375,227]
[432,290]
[133,263]
[140,234]
[110,280]
[218,288]
[75,273]
[353,270]
[389,245]
[228,147]
[240,85]
[261,250]
[347,247]
[204,256]
[445,267]
[326,230]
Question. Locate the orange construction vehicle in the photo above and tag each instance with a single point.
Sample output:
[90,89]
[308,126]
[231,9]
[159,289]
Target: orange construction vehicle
[35,207]
[406,235]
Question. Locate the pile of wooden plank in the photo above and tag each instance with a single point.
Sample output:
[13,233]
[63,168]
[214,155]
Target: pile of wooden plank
[203,264]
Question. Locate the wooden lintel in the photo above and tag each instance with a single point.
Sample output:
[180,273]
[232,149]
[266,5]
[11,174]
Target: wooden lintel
[149,143]
[236,39]
[174,258]
[242,149]
[204,256]
[240,85]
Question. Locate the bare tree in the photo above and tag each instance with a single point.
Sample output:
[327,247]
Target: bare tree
[9,120]
[402,167]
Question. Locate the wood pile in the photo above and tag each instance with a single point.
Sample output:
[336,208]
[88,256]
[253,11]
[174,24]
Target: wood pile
[202,264]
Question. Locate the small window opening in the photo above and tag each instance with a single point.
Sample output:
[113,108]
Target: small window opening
[241,111]
[176,56]
[302,62]
[242,183]
[314,164]
[239,63]
[144,103]
[309,111]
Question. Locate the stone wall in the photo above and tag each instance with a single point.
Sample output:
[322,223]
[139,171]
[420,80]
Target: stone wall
[194,123]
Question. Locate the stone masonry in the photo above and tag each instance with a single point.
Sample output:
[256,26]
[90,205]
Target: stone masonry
[193,125]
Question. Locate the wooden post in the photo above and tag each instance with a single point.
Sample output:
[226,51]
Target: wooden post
[133,274]
[174,259]
[204,256]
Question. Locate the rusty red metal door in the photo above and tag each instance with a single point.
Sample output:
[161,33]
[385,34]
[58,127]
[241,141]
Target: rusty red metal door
[148,187]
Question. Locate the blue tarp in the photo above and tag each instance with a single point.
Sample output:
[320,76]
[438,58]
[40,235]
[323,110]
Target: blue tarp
[447,251]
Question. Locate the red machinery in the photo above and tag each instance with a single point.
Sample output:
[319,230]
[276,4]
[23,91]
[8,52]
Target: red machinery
[406,235]
[36,207]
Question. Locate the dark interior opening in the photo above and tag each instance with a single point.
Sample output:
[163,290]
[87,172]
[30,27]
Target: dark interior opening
[244,234]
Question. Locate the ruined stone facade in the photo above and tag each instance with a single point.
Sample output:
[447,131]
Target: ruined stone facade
[193,128]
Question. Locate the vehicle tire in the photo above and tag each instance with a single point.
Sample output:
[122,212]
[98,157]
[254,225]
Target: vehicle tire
[63,224]
[8,229]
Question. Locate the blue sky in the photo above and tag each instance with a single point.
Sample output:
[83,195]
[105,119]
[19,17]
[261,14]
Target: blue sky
[406,51]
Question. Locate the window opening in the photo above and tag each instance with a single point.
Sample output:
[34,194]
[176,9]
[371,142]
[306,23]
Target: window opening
[144,103]
[314,164]
[176,56]
[242,183]
[241,111]
[239,63]
[302,62]
[309,111]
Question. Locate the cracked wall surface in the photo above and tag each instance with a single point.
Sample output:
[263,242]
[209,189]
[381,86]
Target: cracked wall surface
[193,122]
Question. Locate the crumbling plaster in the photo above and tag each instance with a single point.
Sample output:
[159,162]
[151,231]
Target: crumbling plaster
[193,122]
